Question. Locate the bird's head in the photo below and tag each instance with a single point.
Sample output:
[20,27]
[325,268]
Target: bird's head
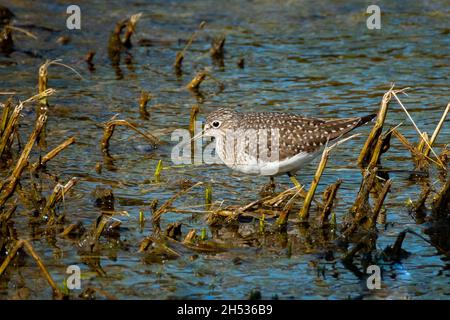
[220,120]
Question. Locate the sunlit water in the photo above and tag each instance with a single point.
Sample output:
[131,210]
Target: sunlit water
[310,57]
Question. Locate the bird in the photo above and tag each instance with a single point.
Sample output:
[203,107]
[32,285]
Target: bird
[273,143]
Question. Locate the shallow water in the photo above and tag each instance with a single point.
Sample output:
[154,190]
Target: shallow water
[315,58]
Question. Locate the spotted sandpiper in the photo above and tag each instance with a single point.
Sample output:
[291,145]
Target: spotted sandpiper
[273,143]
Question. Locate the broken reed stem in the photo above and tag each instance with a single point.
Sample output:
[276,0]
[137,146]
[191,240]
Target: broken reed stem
[361,207]
[7,107]
[217,46]
[89,57]
[190,237]
[8,127]
[44,270]
[69,229]
[304,212]
[29,34]
[22,162]
[441,201]
[30,250]
[11,254]
[418,206]
[43,81]
[43,105]
[193,118]
[380,147]
[379,203]
[348,257]
[6,215]
[365,154]
[421,134]
[208,196]
[42,86]
[101,225]
[180,55]
[330,193]
[11,122]
[282,219]
[284,214]
[143,101]
[364,192]
[58,194]
[166,206]
[158,170]
[419,156]
[421,143]
[194,85]
[53,153]
[438,129]
[109,130]
[145,244]
[131,28]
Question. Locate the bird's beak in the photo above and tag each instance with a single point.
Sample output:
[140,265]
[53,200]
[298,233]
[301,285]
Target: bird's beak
[198,135]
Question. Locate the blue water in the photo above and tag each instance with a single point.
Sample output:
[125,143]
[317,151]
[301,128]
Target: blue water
[314,58]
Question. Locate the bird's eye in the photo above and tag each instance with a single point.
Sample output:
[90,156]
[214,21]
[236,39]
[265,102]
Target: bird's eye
[216,124]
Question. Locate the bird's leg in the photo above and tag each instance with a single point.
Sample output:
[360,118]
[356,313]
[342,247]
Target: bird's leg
[268,189]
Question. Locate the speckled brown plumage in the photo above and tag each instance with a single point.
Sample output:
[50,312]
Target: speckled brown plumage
[296,133]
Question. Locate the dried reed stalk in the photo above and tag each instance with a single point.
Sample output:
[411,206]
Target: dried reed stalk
[30,250]
[8,190]
[366,152]
[180,55]
[109,130]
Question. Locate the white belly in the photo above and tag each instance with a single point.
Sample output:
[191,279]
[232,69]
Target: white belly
[254,167]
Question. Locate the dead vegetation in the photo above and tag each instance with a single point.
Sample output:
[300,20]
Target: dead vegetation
[271,216]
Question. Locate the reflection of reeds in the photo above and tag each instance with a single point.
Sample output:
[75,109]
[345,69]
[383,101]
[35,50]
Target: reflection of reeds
[30,250]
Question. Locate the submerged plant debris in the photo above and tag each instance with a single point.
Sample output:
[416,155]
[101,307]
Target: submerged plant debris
[87,176]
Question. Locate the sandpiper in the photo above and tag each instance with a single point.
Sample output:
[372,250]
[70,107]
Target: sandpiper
[273,143]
